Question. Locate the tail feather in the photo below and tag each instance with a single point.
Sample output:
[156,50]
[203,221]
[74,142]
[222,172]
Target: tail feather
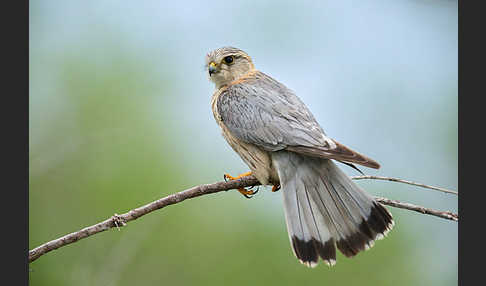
[324,209]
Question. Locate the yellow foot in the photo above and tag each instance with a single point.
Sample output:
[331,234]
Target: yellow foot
[245,192]
[229,177]
[275,188]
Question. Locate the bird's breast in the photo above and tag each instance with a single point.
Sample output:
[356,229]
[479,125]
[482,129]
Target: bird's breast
[257,159]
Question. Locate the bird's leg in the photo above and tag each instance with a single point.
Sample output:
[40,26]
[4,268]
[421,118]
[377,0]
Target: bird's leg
[276,187]
[245,192]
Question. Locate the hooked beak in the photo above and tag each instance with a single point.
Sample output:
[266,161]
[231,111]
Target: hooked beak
[212,68]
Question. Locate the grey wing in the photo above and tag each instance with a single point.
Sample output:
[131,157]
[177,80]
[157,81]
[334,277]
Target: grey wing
[266,113]
[271,117]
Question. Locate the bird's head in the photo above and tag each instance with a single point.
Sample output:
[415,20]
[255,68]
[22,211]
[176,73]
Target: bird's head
[227,64]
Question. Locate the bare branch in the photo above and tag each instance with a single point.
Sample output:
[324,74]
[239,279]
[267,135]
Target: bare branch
[121,220]
[405,182]
[408,206]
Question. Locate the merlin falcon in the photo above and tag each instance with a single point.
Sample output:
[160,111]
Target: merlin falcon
[279,139]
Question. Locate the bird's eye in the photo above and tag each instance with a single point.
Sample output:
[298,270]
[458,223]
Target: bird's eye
[228,59]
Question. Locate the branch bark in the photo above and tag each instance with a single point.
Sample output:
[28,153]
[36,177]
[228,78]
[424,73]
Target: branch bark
[121,220]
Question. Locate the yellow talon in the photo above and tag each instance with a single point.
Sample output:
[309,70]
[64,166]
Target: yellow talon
[238,177]
[247,192]
[243,191]
[275,188]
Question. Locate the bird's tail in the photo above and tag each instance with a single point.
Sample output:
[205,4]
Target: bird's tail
[324,208]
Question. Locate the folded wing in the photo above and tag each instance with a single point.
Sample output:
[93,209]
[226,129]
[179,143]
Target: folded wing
[264,112]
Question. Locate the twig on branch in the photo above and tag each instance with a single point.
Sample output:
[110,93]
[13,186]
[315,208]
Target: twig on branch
[405,182]
[121,220]
[408,206]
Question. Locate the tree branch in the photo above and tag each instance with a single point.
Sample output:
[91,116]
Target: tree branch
[121,220]
[412,207]
[405,182]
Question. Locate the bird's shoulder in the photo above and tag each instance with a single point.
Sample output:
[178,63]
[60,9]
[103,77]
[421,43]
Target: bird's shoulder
[255,81]
[259,90]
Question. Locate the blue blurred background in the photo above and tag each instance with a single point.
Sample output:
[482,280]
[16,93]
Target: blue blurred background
[120,116]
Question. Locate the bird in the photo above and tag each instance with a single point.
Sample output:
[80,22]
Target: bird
[277,136]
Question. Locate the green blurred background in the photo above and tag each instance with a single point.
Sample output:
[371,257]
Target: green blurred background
[120,116]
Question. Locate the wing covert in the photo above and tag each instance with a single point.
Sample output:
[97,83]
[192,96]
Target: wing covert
[262,111]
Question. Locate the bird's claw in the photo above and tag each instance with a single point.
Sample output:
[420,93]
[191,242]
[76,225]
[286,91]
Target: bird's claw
[276,188]
[249,193]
